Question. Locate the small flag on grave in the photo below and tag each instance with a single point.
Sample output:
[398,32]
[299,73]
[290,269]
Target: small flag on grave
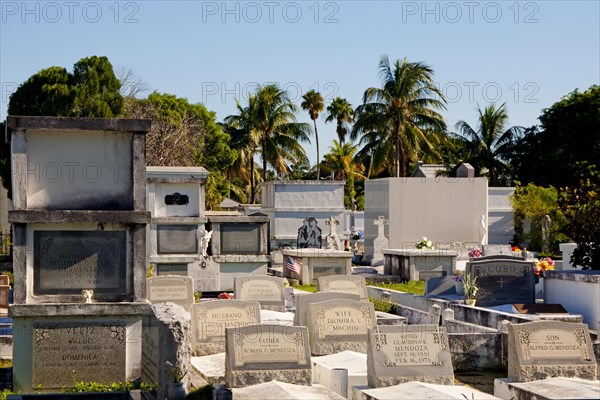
[293,264]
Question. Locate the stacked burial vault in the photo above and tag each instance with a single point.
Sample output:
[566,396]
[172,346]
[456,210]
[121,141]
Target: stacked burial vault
[79,196]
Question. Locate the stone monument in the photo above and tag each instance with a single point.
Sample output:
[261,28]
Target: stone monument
[381,242]
[309,235]
[333,240]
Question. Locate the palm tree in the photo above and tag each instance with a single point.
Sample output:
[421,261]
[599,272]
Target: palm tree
[341,161]
[341,111]
[489,146]
[313,103]
[394,121]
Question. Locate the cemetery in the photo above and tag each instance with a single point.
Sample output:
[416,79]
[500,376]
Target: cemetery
[121,275]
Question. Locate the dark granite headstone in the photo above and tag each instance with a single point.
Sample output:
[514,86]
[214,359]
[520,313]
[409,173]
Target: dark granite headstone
[66,262]
[440,286]
[177,239]
[309,235]
[503,281]
[240,238]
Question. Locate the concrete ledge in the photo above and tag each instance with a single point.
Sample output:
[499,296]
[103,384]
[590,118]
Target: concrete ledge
[76,310]
[72,216]
[179,220]
[553,388]
[579,276]
[21,123]
[239,219]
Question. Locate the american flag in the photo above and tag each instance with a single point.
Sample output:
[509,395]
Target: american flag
[293,264]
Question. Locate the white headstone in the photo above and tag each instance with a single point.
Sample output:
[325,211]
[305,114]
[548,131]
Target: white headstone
[381,242]
[333,240]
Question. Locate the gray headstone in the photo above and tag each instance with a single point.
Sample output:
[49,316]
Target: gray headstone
[261,353]
[309,235]
[176,239]
[343,284]
[338,325]
[404,353]
[174,289]
[240,238]
[544,349]
[436,314]
[90,351]
[303,300]
[210,318]
[440,286]
[66,262]
[503,281]
[267,290]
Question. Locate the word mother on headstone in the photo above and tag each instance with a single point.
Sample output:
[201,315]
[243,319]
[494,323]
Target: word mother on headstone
[269,291]
[173,289]
[403,353]
[210,318]
[545,349]
[343,284]
[503,281]
[261,353]
[84,351]
[309,235]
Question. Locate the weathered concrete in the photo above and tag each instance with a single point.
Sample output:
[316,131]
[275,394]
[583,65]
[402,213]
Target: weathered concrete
[547,389]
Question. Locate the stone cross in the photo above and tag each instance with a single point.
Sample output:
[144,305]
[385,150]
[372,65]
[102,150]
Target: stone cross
[380,222]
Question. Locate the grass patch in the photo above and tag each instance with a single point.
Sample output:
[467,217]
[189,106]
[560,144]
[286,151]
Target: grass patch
[385,306]
[480,380]
[414,287]
[307,288]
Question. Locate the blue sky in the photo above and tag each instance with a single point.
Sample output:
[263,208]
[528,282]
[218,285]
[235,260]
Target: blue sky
[525,53]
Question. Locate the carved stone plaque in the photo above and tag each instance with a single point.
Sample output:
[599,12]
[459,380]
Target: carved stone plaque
[240,238]
[176,239]
[65,262]
[88,352]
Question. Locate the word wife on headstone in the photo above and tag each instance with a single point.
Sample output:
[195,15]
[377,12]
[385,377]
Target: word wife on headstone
[269,291]
[210,318]
[343,284]
[303,300]
[403,353]
[261,353]
[545,349]
[338,325]
[174,289]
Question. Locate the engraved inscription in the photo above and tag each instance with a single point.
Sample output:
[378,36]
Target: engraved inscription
[266,290]
[86,351]
[212,322]
[347,321]
[269,346]
[408,348]
[553,343]
[65,262]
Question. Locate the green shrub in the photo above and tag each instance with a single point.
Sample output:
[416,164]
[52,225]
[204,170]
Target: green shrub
[385,306]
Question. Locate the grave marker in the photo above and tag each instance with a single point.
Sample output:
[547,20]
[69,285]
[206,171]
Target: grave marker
[261,353]
[404,353]
[176,239]
[240,239]
[343,284]
[309,235]
[210,318]
[338,325]
[267,290]
[174,289]
[545,349]
[303,300]
[503,281]
[96,351]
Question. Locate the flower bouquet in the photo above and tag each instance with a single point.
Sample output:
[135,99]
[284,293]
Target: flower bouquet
[226,296]
[476,252]
[424,243]
[545,264]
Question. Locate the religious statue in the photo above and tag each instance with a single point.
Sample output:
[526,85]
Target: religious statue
[482,231]
[204,243]
[87,295]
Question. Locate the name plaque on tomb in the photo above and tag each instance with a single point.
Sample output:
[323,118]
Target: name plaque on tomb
[503,281]
[240,238]
[88,352]
[65,262]
[176,239]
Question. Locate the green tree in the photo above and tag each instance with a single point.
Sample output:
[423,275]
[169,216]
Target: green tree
[342,163]
[581,207]
[342,112]
[92,90]
[394,120]
[312,101]
[569,133]
[489,147]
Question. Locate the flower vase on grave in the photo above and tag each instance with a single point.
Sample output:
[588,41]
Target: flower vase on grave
[176,391]
[470,302]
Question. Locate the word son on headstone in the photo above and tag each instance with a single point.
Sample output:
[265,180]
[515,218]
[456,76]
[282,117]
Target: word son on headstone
[65,262]
[398,354]
[544,349]
[78,352]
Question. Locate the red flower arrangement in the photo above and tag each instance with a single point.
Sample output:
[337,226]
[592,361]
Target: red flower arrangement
[226,296]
